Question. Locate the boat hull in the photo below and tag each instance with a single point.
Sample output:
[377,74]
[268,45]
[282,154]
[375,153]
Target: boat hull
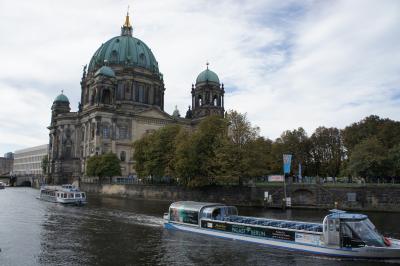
[62,201]
[358,253]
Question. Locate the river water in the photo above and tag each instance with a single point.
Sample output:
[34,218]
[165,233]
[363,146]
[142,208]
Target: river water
[111,231]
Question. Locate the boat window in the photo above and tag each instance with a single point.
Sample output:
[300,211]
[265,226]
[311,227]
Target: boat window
[70,195]
[337,225]
[83,195]
[184,216]
[77,195]
[330,224]
[365,231]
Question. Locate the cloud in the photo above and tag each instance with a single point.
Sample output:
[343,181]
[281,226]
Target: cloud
[286,63]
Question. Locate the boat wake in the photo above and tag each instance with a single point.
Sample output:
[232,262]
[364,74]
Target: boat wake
[136,218]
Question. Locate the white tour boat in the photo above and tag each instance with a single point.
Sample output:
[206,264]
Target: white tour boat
[341,234]
[65,194]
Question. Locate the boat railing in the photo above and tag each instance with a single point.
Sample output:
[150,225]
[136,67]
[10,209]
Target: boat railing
[310,230]
[309,227]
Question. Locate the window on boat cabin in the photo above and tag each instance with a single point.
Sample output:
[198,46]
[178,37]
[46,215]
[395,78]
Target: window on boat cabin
[184,216]
[83,195]
[330,225]
[77,195]
[337,225]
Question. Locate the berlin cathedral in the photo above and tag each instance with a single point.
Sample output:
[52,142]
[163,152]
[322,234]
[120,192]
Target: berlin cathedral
[122,98]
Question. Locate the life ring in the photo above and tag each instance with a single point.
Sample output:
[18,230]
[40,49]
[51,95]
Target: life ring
[387,241]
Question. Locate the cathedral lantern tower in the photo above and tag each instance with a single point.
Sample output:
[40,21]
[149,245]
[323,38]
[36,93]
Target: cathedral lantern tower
[60,105]
[207,95]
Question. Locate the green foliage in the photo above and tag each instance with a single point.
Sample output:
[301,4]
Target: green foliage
[368,159]
[196,155]
[293,142]
[229,151]
[93,166]
[385,130]
[109,165]
[106,165]
[326,152]
[394,160]
[154,153]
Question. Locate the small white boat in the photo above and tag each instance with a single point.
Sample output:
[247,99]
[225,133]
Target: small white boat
[341,234]
[2,185]
[65,194]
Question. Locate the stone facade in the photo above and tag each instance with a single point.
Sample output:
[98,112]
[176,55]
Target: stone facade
[28,162]
[122,98]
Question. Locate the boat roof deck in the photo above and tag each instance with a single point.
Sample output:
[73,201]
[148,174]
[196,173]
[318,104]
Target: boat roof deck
[311,227]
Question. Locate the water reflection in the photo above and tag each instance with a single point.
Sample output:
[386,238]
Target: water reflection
[111,231]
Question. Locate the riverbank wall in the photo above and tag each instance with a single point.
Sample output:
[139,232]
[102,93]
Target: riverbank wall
[368,198]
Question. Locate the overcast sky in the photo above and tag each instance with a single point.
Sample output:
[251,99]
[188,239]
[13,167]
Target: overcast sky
[285,63]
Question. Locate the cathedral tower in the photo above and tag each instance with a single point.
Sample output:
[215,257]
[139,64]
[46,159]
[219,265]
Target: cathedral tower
[207,95]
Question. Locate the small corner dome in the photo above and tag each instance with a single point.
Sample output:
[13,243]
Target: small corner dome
[176,112]
[105,71]
[61,98]
[207,75]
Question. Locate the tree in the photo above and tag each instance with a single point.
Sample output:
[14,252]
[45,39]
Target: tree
[106,165]
[326,151]
[385,130]
[109,165]
[195,157]
[240,129]
[154,153]
[293,142]
[93,166]
[368,159]
[240,156]
[394,161]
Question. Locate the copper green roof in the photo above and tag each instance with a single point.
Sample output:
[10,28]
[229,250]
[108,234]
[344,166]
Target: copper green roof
[207,75]
[124,50]
[106,71]
[61,98]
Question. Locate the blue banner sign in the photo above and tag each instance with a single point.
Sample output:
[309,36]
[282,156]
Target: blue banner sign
[287,159]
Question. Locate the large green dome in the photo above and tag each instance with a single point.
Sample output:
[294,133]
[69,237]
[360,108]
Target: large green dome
[126,51]
[207,76]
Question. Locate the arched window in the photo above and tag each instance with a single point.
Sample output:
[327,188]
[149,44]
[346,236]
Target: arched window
[215,102]
[106,132]
[106,97]
[120,90]
[199,101]
[128,90]
[122,156]
[67,149]
[123,132]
